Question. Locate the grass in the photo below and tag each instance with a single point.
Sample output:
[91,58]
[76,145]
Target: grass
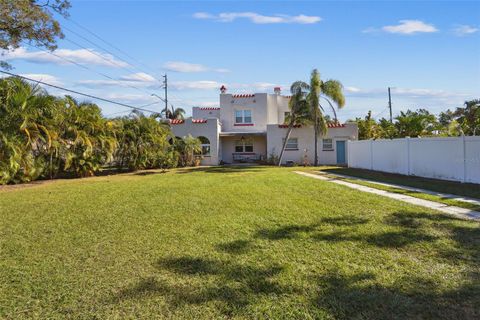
[442,186]
[249,242]
[405,181]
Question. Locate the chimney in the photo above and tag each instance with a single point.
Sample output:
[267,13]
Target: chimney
[277,90]
[223,89]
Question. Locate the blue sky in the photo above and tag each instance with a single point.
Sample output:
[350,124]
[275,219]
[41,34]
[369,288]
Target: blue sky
[428,51]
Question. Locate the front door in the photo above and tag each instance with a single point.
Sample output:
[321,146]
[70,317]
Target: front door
[341,152]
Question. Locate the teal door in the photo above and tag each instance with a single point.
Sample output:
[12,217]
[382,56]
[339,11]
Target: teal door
[341,152]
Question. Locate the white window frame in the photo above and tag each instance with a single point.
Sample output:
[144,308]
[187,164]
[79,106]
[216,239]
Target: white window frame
[243,116]
[293,142]
[327,144]
[244,144]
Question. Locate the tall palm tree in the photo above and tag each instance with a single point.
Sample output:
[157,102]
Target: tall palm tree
[299,113]
[332,92]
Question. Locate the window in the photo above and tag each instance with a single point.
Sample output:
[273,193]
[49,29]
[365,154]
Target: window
[244,145]
[292,144]
[243,116]
[205,144]
[327,144]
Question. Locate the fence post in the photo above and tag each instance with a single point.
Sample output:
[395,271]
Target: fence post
[408,155]
[371,154]
[464,159]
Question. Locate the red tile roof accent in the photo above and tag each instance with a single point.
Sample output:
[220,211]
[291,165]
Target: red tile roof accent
[243,95]
[335,125]
[286,126]
[180,121]
[209,108]
[329,125]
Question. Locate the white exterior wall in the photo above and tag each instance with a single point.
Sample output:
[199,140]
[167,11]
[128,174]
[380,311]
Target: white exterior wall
[256,104]
[456,159]
[205,113]
[209,130]
[306,143]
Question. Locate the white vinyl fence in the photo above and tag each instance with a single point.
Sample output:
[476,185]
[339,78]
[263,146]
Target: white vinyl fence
[456,159]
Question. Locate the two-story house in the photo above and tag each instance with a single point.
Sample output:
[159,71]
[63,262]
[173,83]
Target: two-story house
[251,127]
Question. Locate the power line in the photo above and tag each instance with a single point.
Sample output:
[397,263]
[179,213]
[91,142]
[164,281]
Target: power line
[77,92]
[89,69]
[107,43]
[106,50]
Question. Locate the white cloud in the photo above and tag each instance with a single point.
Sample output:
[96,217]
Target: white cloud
[179,66]
[258,18]
[142,80]
[352,89]
[411,93]
[139,77]
[47,78]
[463,30]
[410,27]
[202,85]
[61,57]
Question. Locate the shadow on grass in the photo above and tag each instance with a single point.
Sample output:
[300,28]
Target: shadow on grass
[221,169]
[286,232]
[148,173]
[360,296]
[235,247]
[234,285]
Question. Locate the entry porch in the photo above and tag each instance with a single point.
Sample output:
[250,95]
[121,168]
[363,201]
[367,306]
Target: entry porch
[243,147]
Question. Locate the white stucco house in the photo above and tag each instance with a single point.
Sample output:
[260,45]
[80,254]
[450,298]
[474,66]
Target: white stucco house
[250,127]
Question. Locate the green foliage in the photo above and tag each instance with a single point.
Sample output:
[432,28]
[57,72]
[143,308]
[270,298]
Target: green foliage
[423,123]
[42,136]
[31,21]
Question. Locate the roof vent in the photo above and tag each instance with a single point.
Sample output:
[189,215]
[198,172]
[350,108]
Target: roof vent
[277,90]
[223,89]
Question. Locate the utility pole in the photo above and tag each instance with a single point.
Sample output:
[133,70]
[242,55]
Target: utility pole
[165,83]
[390,105]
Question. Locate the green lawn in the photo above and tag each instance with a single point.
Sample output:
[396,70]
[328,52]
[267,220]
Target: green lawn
[251,242]
[460,189]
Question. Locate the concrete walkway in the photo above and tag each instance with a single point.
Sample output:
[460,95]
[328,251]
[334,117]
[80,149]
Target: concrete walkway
[462,213]
[413,189]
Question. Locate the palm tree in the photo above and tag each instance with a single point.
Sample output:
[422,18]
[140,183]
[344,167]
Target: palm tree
[331,92]
[175,113]
[298,112]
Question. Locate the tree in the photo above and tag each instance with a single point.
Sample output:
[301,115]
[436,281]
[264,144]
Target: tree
[175,113]
[31,21]
[330,91]
[416,123]
[368,127]
[298,115]
[469,117]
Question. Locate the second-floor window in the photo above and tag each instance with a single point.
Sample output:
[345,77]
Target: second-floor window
[243,116]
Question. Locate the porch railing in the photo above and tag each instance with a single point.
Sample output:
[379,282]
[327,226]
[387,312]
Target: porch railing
[247,157]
